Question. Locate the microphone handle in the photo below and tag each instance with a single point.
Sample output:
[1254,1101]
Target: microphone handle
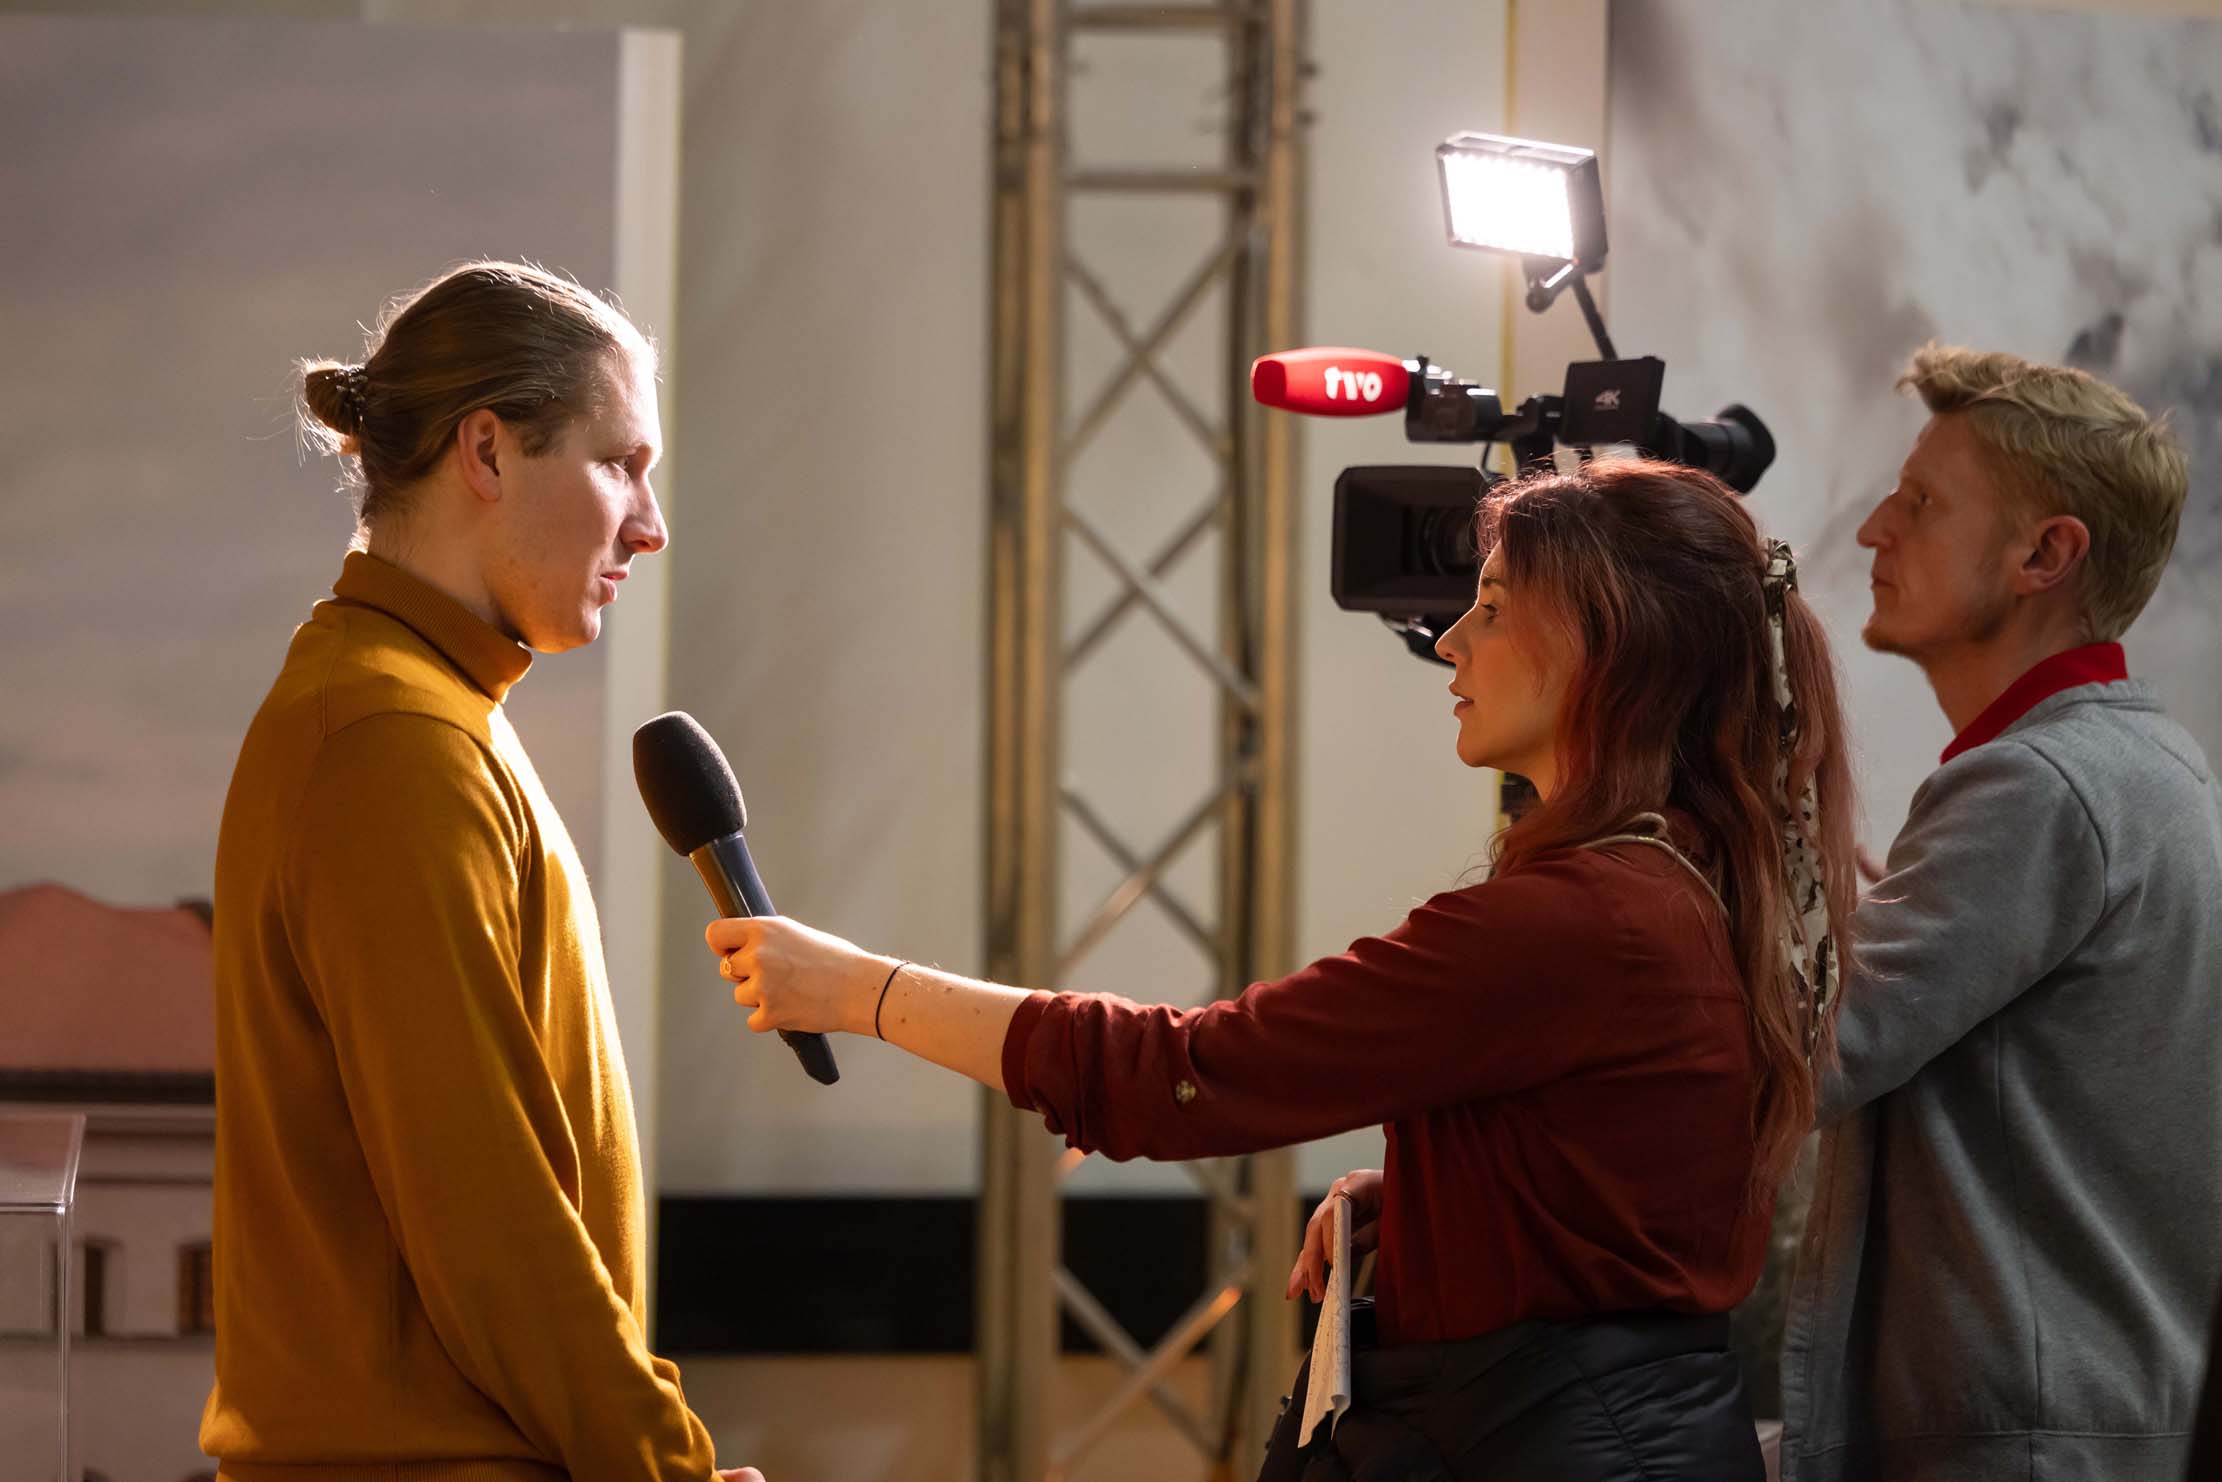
[738,890]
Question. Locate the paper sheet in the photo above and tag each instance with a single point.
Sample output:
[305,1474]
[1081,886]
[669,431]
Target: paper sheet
[1329,1391]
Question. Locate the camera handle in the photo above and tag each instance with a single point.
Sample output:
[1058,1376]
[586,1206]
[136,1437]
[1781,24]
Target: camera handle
[1531,432]
[1548,278]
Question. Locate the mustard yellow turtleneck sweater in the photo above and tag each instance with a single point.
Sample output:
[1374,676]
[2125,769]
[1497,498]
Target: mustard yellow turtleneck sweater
[428,1193]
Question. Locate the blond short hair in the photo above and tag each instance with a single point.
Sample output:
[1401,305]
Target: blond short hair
[2066,443]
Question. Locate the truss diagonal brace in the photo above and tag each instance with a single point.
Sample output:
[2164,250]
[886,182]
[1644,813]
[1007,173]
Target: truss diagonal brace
[1184,302]
[1160,563]
[1105,1329]
[1091,287]
[1129,861]
[1153,597]
[1194,1325]
[1128,891]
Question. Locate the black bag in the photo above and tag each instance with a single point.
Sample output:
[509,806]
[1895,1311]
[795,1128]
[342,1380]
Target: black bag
[1623,1397]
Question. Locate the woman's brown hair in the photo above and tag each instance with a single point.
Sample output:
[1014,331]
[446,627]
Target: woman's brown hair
[1656,573]
[524,343]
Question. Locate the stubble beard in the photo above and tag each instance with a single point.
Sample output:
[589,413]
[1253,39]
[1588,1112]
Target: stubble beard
[1872,634]
[1982,623]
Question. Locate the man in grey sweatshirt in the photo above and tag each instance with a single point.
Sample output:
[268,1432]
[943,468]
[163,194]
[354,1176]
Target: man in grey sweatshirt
[2016,1234]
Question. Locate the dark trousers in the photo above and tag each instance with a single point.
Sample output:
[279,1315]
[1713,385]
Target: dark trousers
[1627,1397]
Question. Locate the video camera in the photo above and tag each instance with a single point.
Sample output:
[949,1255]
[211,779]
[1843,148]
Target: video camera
[1404,542]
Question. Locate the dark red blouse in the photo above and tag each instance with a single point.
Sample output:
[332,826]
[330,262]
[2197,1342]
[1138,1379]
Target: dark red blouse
[1563,1060]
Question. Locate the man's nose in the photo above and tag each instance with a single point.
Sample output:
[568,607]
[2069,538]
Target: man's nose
[647,534]
[1871,532]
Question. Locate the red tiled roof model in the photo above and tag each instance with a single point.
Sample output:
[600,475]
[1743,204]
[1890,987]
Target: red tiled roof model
[86,986]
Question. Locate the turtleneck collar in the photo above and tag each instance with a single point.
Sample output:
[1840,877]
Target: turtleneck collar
[486,656]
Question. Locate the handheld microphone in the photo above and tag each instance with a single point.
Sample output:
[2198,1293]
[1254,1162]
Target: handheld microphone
[1332,381]
[696,805]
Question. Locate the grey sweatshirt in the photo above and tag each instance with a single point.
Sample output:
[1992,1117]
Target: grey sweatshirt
[2016,1232]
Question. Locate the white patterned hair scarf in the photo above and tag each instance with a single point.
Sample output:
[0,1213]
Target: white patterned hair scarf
[1807,943]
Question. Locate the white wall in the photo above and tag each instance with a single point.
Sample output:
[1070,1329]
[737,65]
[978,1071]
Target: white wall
[827,616]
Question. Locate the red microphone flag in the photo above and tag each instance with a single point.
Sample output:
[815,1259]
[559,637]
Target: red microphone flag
[1330,381]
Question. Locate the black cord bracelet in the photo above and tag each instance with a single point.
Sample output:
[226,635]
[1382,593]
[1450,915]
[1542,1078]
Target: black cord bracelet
[891,972]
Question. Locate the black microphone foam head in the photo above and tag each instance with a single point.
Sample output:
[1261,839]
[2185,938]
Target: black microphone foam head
[684,779]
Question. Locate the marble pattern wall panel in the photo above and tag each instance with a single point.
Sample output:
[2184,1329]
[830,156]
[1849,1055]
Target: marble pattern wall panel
[1802,193]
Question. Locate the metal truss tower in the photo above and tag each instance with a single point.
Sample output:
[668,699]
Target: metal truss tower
[1043,270]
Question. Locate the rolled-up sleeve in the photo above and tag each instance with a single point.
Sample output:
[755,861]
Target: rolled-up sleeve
[1482,991]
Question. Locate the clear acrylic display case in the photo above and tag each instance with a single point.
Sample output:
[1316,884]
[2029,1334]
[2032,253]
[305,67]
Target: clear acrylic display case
[38,1195]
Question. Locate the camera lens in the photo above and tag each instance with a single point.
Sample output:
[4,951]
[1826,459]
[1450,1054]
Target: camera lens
[1405,539]
[1734,447]
[1442,542]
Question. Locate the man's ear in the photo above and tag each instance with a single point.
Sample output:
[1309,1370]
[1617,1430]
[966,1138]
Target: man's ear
[479,453]
[2057,550]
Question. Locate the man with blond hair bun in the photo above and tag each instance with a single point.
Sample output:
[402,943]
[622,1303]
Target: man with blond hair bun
[430,1213]
[2016,1230]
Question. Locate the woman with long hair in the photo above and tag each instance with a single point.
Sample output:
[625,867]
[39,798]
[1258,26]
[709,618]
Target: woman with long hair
[1595,1066]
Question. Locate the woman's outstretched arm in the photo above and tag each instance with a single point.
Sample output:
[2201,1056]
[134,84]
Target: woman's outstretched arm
[1482,991]
[796,977]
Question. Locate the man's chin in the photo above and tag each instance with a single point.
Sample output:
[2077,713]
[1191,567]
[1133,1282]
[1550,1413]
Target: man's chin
[562,641]
[1877,636]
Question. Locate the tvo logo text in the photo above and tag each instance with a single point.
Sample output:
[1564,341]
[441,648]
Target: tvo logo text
[1346,385]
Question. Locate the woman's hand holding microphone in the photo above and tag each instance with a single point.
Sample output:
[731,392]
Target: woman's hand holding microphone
[1362,1187]
[797,977]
